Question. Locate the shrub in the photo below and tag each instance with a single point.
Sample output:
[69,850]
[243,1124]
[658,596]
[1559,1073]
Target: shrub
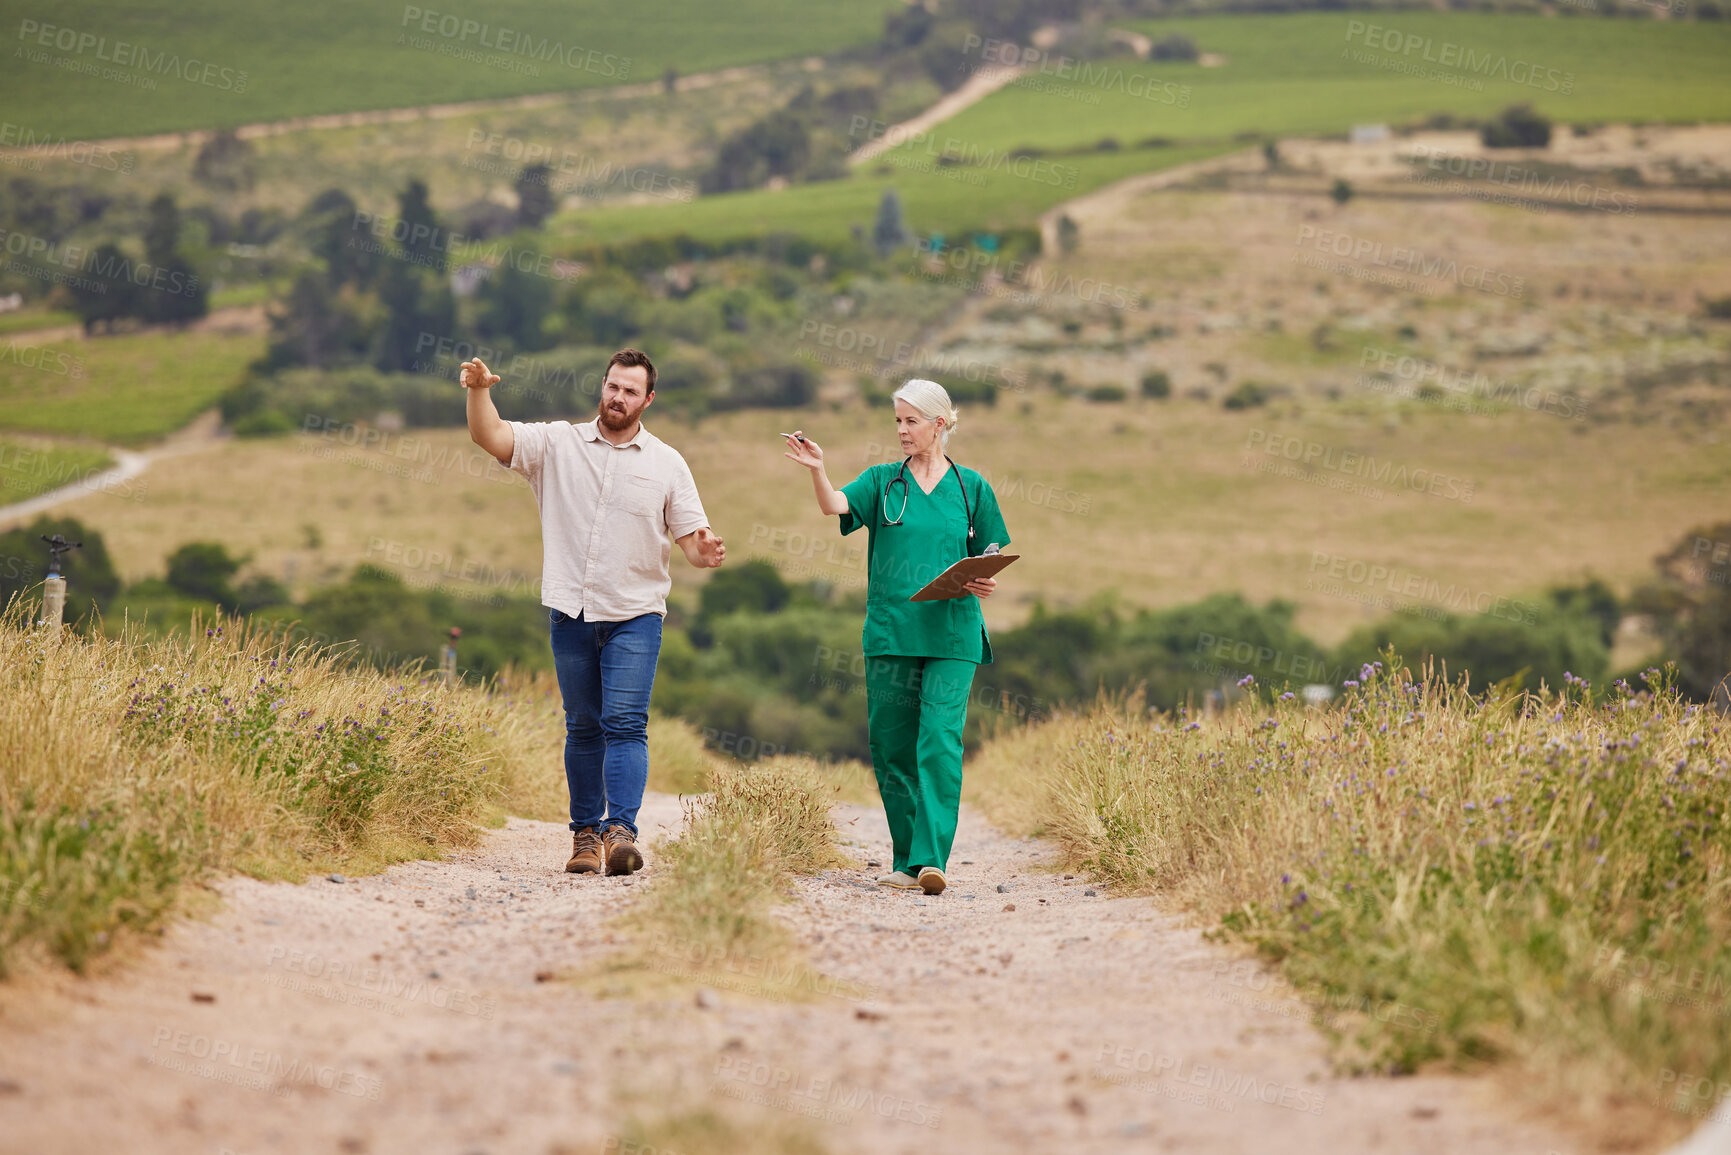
[1157,385]
[1174,47]
[1519,126]
[1247,395]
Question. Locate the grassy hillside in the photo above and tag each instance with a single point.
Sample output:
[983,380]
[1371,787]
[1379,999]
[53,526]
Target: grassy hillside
[28,468]
[1162,504]
[1282,75]
[1297,74]
[934,199]
[128,389]
[270,61]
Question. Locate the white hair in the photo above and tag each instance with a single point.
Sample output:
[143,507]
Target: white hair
[933,401]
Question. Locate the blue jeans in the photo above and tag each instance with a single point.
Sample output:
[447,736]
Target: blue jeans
[606,671]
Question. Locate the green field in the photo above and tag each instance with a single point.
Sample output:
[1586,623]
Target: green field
[33,318]
[327,56]
[1284,75]
[29,469]
[1289,75]
[932,201]
[125,389]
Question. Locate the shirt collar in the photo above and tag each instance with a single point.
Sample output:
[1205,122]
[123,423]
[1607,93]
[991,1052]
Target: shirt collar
[591,431]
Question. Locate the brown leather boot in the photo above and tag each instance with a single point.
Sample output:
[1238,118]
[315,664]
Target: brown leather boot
[585,852]
[621,850]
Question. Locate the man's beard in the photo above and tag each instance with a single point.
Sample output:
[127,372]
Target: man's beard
[616,422]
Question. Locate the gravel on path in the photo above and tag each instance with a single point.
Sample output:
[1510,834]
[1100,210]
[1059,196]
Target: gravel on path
[427,1010]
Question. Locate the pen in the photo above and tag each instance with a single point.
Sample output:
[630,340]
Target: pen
[795,436]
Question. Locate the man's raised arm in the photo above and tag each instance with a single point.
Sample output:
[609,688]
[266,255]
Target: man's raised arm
[486,428]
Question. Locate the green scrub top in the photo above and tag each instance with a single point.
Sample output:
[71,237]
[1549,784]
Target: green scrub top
[902,559]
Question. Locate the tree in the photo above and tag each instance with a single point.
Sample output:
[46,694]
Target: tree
[175,294]
[1518,127]
[1174,47]
[942,55]
[889,234]
[906,27]
[777,145]
[1069,235]
[224,162]
[422,241]
[318,324]
[328,223]
[416,302]
[204,570]
[1157,385]
[260,592]
[535,201]
[90,576]
[104,293]
[754,586]
[161,229]
[1691,606]
[514,306]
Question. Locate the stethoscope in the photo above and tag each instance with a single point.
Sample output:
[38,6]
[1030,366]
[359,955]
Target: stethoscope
[901,476]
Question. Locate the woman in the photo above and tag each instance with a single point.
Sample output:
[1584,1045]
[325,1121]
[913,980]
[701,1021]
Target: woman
[920,516]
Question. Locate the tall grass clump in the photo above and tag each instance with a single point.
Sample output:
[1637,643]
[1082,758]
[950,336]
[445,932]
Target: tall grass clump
[1539,879]
[129,766]
[710,915]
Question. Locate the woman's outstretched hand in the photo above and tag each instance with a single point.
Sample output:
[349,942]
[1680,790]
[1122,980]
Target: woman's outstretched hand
[804,450]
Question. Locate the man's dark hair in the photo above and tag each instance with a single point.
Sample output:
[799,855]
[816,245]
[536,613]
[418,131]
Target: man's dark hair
[632,359]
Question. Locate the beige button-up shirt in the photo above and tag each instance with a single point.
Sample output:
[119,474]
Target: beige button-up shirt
[606,513]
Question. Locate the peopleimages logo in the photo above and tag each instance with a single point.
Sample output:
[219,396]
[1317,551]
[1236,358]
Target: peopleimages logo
[1401,259]
[110,269]
[127,55]
[1384,471]
[1041,63]
[47,147]
[1421,375]
[1448,54]
[1527,181]
[513,42]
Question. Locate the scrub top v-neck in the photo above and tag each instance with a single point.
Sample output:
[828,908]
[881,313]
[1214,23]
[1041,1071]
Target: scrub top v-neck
[903,559]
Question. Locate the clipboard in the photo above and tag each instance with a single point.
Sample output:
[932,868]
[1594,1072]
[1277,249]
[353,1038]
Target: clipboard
[949,583]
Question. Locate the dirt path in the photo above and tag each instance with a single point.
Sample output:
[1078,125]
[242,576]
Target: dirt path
[977,87]
[205,428]
[403,1013]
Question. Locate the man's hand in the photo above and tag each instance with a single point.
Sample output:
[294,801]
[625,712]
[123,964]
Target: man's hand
[703,549]
[474,375]
[485,427]
[982,587]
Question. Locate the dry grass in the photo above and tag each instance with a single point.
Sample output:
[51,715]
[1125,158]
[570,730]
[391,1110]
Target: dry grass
[1542,882]
[709,918]
[708,1130]
[1172,516]
[128,766]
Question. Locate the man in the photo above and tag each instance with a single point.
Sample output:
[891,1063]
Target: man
[609,492]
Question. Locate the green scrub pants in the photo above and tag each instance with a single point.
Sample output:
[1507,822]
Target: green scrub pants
[915,708]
